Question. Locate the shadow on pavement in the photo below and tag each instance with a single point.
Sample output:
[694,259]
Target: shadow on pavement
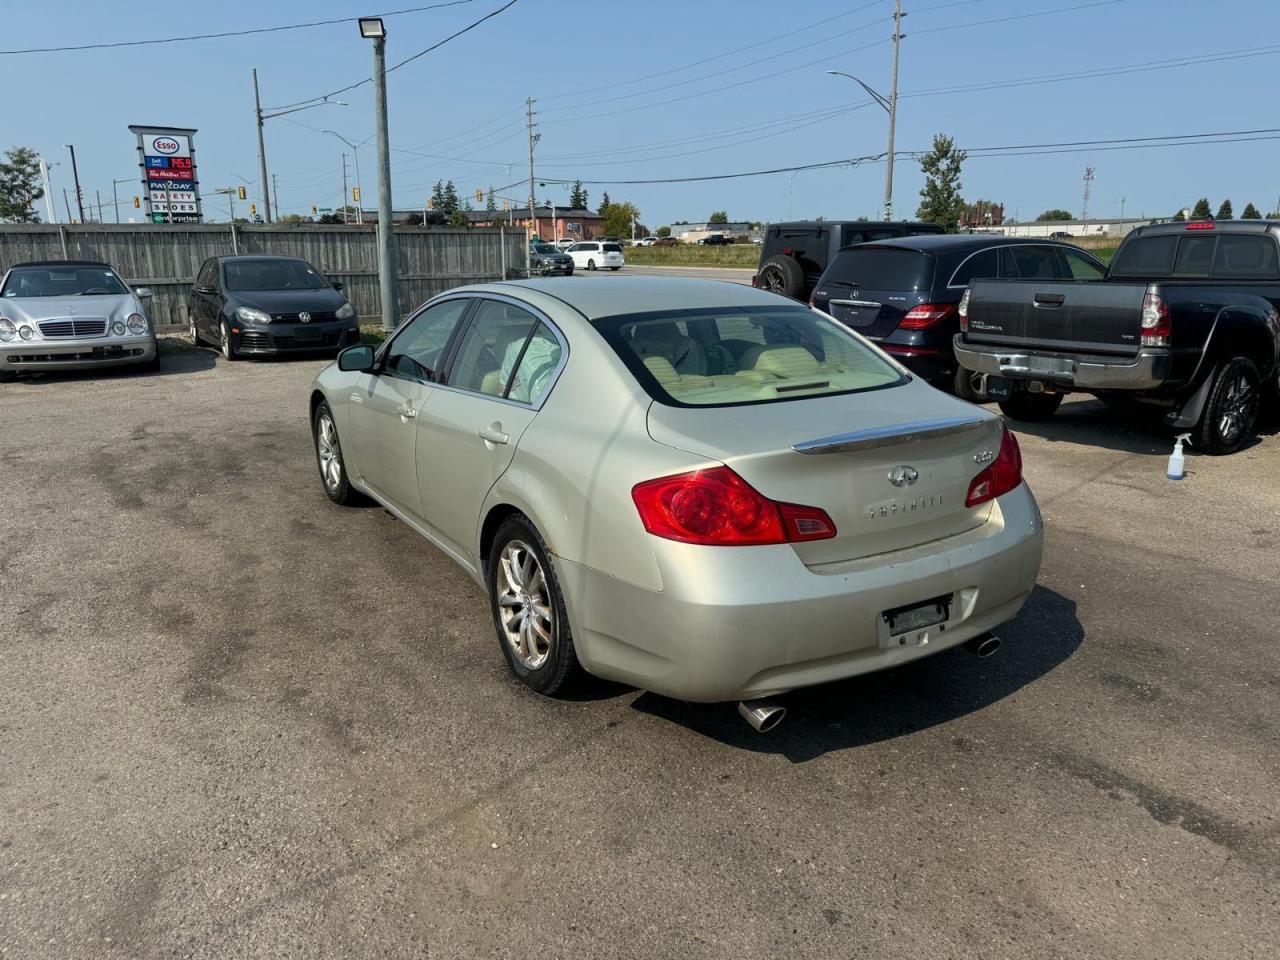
[894,703]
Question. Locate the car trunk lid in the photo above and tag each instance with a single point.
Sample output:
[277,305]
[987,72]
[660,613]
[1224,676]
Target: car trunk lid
[870,288]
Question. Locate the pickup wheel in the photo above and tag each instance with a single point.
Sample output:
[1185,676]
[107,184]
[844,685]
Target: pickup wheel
[1031,407]
[962,386]
[1231,412]
[782,274]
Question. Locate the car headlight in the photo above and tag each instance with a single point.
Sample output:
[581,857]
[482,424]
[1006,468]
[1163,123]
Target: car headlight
[137,324]
[118,328]
[25,332]
[345,312]
[250,315]
[7,330]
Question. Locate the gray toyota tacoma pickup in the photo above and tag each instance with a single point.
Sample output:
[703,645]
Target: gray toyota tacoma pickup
[1185,318]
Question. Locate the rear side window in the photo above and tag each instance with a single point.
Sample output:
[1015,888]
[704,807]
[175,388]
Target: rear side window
[611,248]
[1082,267]
[880,268]
[1031,262]
[744,355]
[980,266]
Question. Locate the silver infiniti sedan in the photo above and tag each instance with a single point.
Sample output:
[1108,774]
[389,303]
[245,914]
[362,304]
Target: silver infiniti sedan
[697,488]
[72,315]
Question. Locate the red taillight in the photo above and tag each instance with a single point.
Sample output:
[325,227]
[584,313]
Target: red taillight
[1004,473]
[717,507]
[926,315]
[1157,327]
[1200,225]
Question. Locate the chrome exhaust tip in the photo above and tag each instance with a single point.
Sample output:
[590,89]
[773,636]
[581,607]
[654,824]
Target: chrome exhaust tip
[983,646]
[763,715]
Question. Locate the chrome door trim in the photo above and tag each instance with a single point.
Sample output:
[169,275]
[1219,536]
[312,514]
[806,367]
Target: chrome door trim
[888,436]
[856,303]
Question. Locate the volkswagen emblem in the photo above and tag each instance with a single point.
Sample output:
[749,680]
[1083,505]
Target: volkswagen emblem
[903,476]
[304,317]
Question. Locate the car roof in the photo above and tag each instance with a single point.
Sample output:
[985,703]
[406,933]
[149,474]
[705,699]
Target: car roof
[596,297]
[951,243]
[62,263]
[256,256]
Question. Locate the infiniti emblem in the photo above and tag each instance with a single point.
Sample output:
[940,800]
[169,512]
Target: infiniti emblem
[304,317]
[903,476]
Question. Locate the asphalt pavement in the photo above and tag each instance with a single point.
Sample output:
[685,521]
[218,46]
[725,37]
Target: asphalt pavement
[240,721]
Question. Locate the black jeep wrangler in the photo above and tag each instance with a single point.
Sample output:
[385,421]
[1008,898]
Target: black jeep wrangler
[794,254]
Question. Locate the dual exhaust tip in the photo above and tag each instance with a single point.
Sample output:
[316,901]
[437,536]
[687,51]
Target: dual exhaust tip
[765,715]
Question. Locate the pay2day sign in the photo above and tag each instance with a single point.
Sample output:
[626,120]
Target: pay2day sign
[166,161]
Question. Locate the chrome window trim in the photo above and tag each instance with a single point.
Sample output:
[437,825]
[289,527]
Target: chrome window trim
[540,317]
[997,247]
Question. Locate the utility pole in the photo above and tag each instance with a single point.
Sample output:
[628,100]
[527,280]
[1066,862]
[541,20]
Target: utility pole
[1088,183]
[98,194]
[893,110]
[50,208]
[262,149]
[386,239]
[1122,210]
[345,219]
[66,203]
[115,196]
[533,209]
[75,173]
[275,193]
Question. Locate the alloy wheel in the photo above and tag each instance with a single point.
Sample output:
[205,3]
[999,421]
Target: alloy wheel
[224,338]
[329,452]
[524,605]
[1239,409]
[771,279]
[195,334]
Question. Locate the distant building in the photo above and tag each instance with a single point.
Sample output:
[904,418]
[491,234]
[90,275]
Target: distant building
[566,222]
[693,232]
[1076,228]
[983,214]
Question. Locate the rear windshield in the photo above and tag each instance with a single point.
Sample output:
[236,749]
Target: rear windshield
[1199,254]
[881,268]
[273,275]
[611,248]
[744,355]
[62,282]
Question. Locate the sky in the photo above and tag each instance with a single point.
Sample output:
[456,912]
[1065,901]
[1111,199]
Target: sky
[662,89]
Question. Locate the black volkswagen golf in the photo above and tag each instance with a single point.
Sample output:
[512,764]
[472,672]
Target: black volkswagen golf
[903,294]
[258,305]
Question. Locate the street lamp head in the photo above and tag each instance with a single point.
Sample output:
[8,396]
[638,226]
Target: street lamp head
[834,73]
[371,28]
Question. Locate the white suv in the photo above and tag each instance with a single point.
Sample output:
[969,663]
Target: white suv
[594,255]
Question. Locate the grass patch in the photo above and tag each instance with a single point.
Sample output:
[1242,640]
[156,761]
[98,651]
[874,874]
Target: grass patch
[372,333]
[694,255]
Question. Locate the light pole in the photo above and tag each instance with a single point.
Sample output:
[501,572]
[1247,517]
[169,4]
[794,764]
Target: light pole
[262,148]
[889,104]
[371,28]
[75,174]
[115,200]
[355,150]
[51,208]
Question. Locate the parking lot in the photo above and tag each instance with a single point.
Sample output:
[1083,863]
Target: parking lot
[240,721]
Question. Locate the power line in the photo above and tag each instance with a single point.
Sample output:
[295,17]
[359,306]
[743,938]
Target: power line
[421,53]
[227,33]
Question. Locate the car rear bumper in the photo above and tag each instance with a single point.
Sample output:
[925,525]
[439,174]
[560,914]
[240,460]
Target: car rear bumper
[295,338]
[736,623]
[44,355]
[1148,370]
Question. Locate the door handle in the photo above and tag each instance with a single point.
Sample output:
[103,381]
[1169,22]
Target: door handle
[493,434]
[407,413]
[1049,299]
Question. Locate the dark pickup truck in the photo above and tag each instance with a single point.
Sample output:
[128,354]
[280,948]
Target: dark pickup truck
[1185,318]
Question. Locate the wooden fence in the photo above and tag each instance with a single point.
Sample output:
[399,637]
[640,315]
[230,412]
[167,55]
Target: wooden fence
[167,257]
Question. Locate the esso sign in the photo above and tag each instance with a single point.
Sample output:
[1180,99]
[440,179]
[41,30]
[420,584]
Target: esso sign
[165,146]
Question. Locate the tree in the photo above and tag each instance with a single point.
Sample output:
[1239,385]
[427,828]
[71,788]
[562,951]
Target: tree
[940,199]
[1057,213]
[1201,210]
[1250,213]
[450,198]
[619,217]
[718,216]
[294,218]
[20,185]
[1179,216]
[414,219]
[437,196]
[664,231]
[1225,211]
[604,204]
[577,196]
[459,219]
[491,204]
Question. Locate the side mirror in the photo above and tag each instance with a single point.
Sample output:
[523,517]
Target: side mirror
[143,293]
[357,359]
[337,284]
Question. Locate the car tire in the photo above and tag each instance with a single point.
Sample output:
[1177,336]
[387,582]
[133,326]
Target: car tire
[193,329]
[1031,407]
[962,386]
[528,610]
[782,274]
[227,348]
[591,264]
[1230,416]
[152,365]
[329,461]
[8,376]
[615,268]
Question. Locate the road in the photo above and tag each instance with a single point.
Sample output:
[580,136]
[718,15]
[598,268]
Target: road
[240,721]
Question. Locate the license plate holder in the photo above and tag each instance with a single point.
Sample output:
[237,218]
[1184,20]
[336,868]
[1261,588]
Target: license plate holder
[999,388]
[917,616]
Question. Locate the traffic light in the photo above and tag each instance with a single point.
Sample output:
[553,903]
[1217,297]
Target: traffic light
[355,194]
[242,193]
[253,207]
[136,203]
[479,195]
[314,211]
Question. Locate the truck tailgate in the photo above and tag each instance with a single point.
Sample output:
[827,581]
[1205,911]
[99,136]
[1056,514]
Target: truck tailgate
[1094,317]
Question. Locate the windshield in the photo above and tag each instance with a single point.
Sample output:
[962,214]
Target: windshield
[273,275]
[880,268]
[62,282]
[744,355]
[546,248]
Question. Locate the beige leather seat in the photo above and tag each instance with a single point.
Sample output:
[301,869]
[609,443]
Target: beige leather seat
[781,360]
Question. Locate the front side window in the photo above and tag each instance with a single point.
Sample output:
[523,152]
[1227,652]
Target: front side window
[744,355]
[62,282]
[208,273]
[248,275]
[491,348]
[417,350]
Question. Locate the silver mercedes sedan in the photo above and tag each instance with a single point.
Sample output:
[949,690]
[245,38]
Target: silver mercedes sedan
[697,488]
[72,315]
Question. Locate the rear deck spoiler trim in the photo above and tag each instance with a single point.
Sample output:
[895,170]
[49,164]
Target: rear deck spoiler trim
[888,436]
